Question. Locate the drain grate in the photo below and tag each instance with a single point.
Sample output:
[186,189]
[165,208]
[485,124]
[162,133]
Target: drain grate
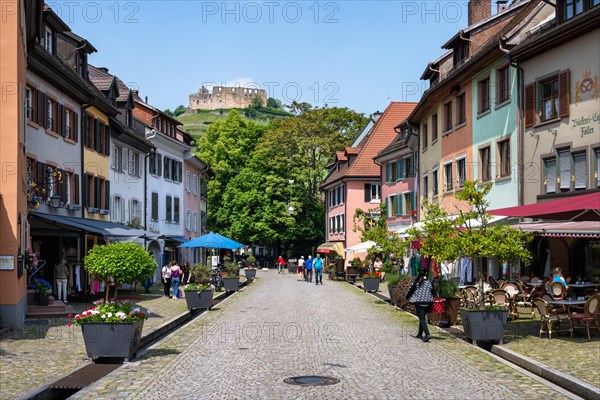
[312,380]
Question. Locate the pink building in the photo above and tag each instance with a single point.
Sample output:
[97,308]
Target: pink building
[354,179]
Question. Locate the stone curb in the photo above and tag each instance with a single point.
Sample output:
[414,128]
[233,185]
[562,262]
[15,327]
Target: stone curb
[39,392]
[562,379]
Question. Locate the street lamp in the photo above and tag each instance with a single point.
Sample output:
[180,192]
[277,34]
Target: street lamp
[55,201]
[290,208]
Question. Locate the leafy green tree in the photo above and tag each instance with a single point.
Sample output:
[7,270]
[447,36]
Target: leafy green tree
[470,233]
[169,112]
[273,103]
[179,110]
[257,102]
[122,262]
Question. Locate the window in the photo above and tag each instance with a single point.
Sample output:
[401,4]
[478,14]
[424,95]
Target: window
[372,192]
[436,182]
[195,184]
[434,128]
[461,171]
[549,99]
[597,164]
[169,208]
[67,194]
[128,117]
[188,219]
[188,182]
[461,110]
[407,168]
[29,103]
[504,156]
[134,163]
[117,163]
[550,175]
[460,52]
[118,212]
[49,40]
[485,173]
[135,211]
[71,122]
[393,205]
[195,220]
[176,209]
[424,135]
[484,95]
[503,85]
[154,213]
[448,176]
[579,171]
[425,191]
[572,8]
[448,116]
[409,203]
[155,164]
[51,115]
[564,169]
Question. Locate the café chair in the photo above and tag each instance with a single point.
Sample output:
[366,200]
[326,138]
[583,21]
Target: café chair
[471,297]
[501,298]
[549,317]
[558,290]
[587,316]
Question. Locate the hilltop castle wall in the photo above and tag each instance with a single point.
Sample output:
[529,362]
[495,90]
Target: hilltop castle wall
[225,97]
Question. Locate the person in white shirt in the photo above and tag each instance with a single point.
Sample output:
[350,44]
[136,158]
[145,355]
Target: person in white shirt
[301,268]
[166,277]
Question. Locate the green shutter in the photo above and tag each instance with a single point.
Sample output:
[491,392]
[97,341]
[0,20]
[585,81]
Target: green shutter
[388,202]
[400,170]
[399,204]
[412,201]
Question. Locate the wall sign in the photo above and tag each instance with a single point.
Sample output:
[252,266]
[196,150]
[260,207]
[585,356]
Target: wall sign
[587,124]
[7,263]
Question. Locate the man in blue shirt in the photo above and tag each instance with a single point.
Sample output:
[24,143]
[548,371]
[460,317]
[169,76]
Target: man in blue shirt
[308,266]
[318,266]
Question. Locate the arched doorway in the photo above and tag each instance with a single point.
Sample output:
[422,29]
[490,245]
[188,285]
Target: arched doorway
[154,249]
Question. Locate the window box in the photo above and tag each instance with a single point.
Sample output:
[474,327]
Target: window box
[93,210]
[104,211]
[73,207]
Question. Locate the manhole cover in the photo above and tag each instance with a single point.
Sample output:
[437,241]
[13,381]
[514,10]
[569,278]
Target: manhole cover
[312,380]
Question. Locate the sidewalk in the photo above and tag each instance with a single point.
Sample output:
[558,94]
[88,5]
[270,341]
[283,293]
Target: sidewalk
[280,328]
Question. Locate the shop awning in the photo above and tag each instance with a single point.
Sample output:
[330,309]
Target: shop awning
[573,208]
[583,229]
[361,247]
[96,227]
[180,239]
[328,247]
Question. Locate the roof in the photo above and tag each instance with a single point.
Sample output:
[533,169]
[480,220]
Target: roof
[138,99]
[101,79]
[573,208]
[380,136]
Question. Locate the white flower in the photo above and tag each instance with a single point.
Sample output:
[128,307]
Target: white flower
[109,314]
[95,312]
[136,310]
[103,316]
[121,315]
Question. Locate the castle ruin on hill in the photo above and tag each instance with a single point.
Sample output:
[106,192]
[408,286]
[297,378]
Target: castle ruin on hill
[225,97]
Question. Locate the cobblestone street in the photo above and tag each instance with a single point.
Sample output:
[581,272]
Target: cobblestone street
[278,327]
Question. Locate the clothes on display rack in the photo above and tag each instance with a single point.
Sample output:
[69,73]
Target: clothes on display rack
[77,277]
[466,270]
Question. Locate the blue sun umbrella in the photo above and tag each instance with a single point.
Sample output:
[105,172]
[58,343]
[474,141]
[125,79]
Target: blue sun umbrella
[213,241]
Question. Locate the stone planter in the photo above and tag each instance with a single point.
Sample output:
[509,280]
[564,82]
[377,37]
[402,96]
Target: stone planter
[112,339]
[292,269]
[484,325]
[392,292]
[371,284]
[43,299]
[231,284]
[199,299]
[450,312]
[351,273]
[250,273]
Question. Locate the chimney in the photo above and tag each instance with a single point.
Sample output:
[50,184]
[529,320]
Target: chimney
[146,99]
[479,10]
[376,115]
[502,5]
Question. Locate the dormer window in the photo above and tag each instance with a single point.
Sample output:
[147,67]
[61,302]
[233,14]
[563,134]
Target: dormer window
[460,52]
[80,63]
[48,40]
[128,117]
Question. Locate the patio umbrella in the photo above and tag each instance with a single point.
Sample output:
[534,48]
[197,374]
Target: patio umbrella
[213,241]
[361,247]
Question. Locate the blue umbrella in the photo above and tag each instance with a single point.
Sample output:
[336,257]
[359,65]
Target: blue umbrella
[213,241]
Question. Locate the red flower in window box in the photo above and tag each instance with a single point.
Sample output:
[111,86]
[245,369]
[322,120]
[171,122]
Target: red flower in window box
[413,213]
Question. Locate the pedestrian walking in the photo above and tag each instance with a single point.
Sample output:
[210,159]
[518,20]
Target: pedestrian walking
[176,274]
[308,267]
[300,268]
[280,264]
[166,277]
[185,273]
[62,274]
[378,266]
[421,296]
[318,267]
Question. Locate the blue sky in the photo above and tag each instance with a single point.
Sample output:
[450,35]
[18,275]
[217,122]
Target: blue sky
[354,54]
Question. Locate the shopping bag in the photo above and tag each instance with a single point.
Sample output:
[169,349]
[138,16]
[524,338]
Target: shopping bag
[438,305]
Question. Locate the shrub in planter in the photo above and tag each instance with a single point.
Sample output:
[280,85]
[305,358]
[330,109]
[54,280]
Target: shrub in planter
[392,281]
[371,281]
[231,280]
[43,290]
[447,290]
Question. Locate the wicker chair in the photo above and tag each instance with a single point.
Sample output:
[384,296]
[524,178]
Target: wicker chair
[589,316]
[549,318]
[558,290]
[471,297]
[493,283]
[500,297]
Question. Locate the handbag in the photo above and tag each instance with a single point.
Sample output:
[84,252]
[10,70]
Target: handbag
[438,305]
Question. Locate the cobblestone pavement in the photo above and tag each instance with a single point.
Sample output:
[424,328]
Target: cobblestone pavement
[278,328]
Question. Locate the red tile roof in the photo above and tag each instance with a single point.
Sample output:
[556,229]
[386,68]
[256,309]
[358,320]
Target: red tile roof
[380,136]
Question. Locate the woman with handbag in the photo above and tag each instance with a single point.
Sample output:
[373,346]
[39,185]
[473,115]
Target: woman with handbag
[421,296]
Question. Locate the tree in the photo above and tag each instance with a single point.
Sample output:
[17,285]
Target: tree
[470,233]
[257,102]
[169,113]
[273,103]
[179,110]
[120,262]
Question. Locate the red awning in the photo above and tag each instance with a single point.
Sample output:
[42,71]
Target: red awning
[575,208]
[586,229]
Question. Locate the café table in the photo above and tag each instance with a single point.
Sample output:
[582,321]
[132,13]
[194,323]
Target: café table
[567,302]
[579,288]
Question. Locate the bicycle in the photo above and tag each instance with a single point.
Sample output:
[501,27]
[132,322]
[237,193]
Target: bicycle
[216,280]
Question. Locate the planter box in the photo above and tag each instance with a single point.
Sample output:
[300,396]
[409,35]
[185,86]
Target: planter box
[371,284]
[450,312]
[112,339]
[292,269]
[231,284]
[199,299]
[484,325]
[351,273]
[250,274]
[43,299]
[392,293]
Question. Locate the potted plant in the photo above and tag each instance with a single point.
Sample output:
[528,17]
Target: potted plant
[250,270]
[447,290]
[200,293]
[231,280]
[112,335]
[110,329]
[371,281]
[30,260]
[470,235]
[43,290]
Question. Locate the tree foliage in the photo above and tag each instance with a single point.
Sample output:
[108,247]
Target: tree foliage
[372,226]
[123,262]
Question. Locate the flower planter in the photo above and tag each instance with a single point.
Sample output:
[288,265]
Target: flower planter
[292,269]
[112,339]
[199,299]
[392,292]
[371,284]
[250,273]
[450,312]
[484,325]
[351,273]
[231,284]
[43,299]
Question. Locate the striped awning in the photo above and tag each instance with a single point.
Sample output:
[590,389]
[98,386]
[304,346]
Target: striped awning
[327,247]
[577,229]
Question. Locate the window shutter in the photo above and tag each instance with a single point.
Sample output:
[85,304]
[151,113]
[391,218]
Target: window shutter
[563,94]
[412,201]
[565,169]
[400,170]
[107,195]
[411,167]
[159,165]
[580,170]
[399,204]
[550,166]
[84,128]
[75,195]
[75,127]
[60,119]
[42,109]
[367,192]
[530,106]
[155,206]
[86,194]
[62,187]
[107,140]
[187,181]
[168,207]
[176,209]
[388,172]
[166,168]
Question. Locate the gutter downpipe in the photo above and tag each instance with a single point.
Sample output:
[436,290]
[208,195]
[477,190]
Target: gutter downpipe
[520,122]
